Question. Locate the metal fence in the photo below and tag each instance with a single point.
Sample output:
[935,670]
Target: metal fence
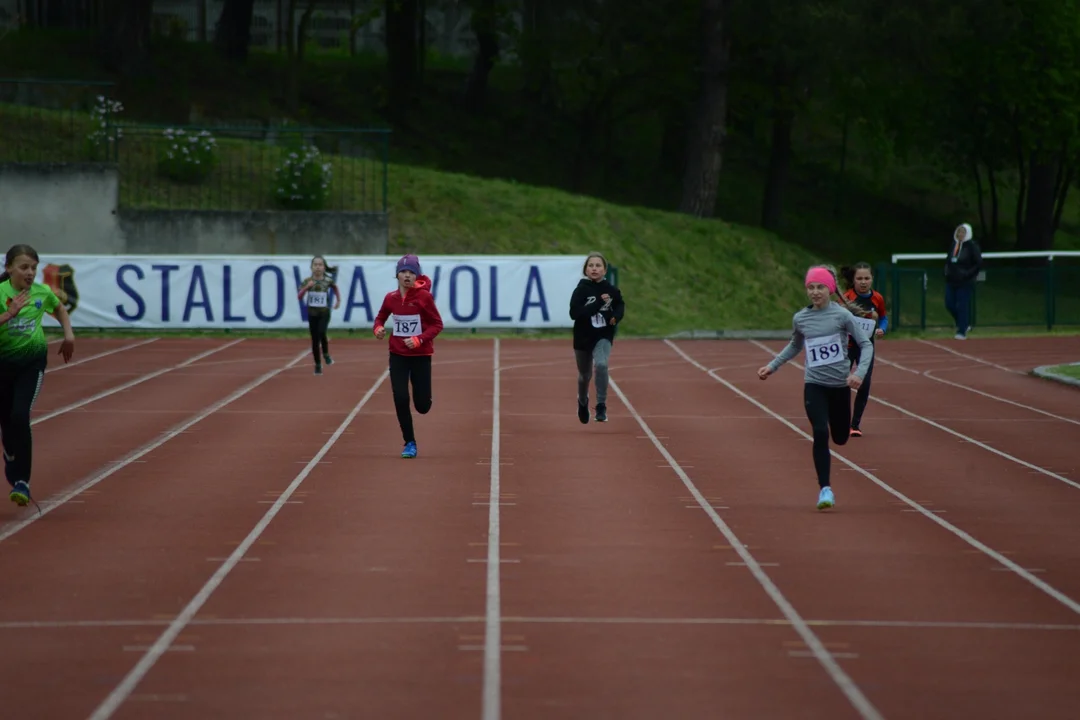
[235,167]
[253,168]
[55,121]
[1014,289]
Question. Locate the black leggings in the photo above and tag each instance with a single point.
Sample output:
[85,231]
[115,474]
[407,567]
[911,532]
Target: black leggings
[317,325]
[404,368]
[828,409]
[863,395]
[19,388]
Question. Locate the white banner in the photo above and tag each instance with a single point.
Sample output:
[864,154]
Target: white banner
[259,292]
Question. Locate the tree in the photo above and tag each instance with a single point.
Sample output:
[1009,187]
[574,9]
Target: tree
[233,36]
[704,151]
[124,35]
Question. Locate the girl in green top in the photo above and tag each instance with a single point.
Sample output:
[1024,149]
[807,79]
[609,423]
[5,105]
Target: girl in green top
[23,358]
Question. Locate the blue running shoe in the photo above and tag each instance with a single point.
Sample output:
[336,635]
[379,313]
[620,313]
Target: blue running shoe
[825,498]
[409,451]
[20,493]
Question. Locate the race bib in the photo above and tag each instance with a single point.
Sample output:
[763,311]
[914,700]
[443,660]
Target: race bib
[868,325]
[407,325]
[598,321]
[317,299]
[826,350]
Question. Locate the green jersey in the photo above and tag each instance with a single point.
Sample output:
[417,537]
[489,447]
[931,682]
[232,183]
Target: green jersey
[22,337]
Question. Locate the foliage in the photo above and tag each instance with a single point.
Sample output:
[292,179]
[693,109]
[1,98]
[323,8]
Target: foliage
[302,181]
[187,157]
[104,135]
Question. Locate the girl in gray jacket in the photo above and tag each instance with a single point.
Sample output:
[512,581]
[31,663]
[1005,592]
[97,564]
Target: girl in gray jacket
[823,328]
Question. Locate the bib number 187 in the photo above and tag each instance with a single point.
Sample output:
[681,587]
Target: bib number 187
[407,325]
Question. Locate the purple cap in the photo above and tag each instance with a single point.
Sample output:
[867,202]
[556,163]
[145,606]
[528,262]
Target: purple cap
[409,262]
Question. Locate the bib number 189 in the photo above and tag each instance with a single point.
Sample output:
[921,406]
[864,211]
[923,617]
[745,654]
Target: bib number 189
[824,353]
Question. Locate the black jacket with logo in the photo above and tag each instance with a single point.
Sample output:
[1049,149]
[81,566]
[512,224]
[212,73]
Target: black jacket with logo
[592,316]
[963,265]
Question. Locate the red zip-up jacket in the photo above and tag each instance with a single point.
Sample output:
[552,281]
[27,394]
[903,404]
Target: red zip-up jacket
[415,316]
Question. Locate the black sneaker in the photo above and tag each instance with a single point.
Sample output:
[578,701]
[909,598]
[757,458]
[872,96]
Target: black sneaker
[327,359]
[318,369]
[583,413]
[601,412]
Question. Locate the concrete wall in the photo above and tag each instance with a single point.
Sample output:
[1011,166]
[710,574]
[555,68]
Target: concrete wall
[72,208]
[62,208]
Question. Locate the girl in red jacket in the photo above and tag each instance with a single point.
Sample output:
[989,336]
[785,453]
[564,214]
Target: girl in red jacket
[416,323]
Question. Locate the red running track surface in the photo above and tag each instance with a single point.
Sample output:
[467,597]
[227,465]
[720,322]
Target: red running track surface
[226,535]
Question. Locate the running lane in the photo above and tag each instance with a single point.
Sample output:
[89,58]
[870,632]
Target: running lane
[1013,507]
[1020,432]
[78,445]
[1007,377]
[101,364]
[619,596]
[891,593]
[363,600]
[139,548]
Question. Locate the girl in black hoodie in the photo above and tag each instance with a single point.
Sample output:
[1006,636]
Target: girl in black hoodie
[595,307]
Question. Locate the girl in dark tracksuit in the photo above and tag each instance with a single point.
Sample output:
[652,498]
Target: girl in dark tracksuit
[23,358]
[596,307]
[317,290]
[961,271]
[416,323]
[868,307]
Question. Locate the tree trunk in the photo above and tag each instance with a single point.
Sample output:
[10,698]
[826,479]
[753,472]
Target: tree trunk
[233,36]
[995,207]
[783,121]
[845,138]
[68,14]
[535,51]
[673,140]
[1038,233]
[701,177]
[401,51]
[485,25]
[124,35]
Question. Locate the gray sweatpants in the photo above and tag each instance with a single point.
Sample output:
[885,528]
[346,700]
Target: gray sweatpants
[586,361]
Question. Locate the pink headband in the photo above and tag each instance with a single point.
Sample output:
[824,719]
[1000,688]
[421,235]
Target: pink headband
[823,276]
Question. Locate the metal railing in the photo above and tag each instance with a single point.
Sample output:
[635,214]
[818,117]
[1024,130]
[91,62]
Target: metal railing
[1014,289]
[253,168]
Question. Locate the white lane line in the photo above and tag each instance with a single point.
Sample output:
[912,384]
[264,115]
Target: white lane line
[533,620]
[48,506]
[133,383]
[970,357]
[491,706]
[929,374]
[847,686]
[956,433]
[121,692]
[107,353]
[978,545]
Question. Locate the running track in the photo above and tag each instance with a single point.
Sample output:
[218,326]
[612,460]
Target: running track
[225,535]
